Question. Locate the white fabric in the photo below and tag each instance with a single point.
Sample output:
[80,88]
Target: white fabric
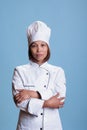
[46,79]
[38,31]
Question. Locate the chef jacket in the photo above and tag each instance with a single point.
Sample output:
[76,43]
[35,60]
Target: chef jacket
[48,80]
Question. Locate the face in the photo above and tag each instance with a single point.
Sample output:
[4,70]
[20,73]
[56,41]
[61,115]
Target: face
[39,51]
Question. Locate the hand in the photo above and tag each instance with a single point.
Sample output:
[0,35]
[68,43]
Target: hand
[24,95]
[54,102]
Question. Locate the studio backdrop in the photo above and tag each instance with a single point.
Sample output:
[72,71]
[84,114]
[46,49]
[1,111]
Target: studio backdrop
[68,22]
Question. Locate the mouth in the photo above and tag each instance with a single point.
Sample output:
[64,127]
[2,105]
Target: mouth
[39,55]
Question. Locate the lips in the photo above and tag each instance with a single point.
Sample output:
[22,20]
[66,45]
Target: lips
[39,55]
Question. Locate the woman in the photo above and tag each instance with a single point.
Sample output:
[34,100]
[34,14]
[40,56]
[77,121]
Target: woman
[39,88]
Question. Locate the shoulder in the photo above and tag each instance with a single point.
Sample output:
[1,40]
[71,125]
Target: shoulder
[56,70]
[54,67]
[22,67]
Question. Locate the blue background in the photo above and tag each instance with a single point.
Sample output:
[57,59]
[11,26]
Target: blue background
[68,21]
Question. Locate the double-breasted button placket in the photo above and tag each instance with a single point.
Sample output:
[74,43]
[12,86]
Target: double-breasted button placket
[45,85]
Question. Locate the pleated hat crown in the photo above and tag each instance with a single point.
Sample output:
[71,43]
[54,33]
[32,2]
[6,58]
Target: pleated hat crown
[38,30]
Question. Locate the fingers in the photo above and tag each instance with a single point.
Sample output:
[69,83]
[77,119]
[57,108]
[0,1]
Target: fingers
[61,103]
[60,100]
[60,106]
[19,97]
[57,95]
[20,90]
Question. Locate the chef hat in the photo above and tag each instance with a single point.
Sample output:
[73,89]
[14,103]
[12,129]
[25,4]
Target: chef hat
[38,31]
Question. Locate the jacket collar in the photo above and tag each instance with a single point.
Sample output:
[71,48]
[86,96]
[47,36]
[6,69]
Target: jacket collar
[35,65]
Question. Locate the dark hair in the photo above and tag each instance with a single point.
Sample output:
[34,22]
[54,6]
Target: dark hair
[33,59]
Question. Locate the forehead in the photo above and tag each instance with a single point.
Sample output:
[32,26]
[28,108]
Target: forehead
[39,42]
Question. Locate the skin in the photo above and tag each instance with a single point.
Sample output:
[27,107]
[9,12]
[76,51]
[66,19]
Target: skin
[39,52]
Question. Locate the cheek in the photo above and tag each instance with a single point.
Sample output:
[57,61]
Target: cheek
[45,52]
[33,51]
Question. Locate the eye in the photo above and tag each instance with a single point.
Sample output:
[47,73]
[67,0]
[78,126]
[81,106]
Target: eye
[43,45]
[33,45]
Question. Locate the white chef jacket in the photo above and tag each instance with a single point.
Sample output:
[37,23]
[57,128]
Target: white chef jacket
[48,80]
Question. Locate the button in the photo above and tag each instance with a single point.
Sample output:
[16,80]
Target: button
[45,86]
[40,128]
[41,113]
[46,73]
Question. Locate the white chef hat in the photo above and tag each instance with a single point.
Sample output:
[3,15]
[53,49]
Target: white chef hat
[38,30]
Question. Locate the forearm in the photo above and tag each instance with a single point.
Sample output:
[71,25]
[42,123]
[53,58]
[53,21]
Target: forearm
[54,102]
[46,93]
[34,94]
[23,95]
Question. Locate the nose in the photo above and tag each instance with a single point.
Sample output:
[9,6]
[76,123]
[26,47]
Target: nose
[39,48]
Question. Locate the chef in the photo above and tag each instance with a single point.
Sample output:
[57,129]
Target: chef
[39,88]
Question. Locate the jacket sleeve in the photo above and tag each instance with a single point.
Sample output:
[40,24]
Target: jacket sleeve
[58,86]
[31,105]
[60,83]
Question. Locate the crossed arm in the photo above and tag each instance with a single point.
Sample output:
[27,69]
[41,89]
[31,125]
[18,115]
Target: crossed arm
[53,102]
